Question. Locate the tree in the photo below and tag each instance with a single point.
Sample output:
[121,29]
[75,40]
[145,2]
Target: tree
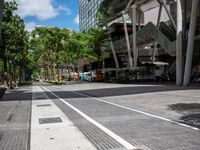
[97,39]
[50,41]
[14,43]
[81,48]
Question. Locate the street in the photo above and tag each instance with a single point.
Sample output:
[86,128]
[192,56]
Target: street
[108,116]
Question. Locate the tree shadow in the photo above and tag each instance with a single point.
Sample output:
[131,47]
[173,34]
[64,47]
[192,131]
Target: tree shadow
[119,91]
[190,111]
[103,92]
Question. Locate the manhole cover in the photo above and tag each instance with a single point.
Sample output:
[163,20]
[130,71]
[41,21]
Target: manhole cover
[44,105]
[50,120]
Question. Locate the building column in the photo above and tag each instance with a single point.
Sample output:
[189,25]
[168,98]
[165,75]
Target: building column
[134,30]
[158,24]
[154,52]
[127,41]
[191,40]
[114,56]
[179,44]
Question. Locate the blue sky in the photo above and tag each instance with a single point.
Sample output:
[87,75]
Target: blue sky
[60,13]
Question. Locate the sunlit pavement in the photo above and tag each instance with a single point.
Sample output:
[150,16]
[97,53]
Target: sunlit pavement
[114,116]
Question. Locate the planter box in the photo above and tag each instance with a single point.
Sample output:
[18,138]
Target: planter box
[2,92]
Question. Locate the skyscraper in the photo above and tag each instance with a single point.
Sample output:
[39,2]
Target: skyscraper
[87,13]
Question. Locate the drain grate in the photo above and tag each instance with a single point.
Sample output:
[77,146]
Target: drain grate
[40,98]
[50,120]
[44,105]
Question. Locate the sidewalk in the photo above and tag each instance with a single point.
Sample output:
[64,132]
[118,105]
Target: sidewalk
[50,127]
[21,112]
[15,109]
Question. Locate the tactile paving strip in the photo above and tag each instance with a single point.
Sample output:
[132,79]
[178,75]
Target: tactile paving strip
[99,139]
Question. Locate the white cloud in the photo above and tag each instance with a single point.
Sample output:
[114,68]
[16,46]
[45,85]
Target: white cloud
[31,26]
[76,20]
[41,9]
[66,10]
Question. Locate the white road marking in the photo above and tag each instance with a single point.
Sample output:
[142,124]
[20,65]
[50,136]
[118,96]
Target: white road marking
[53,136]
[138,111]
[110,133]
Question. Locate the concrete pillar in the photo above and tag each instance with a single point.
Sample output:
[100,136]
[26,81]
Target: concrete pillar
[113,51]
[154,52]
[158,23]
[114,56]
[191,40]
[134,30]
[127,42]
[179,44]
[139,21]
[159,15]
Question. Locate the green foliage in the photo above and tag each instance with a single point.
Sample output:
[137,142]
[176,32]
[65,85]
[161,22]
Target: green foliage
[97,39]
[49,45]
[79,46]
[14,43]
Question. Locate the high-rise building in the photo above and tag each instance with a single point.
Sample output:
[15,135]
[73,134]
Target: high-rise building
[87,14]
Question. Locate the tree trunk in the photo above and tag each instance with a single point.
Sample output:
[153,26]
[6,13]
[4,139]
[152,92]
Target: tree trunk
[5,67]
[69,73]
[10,76]
[5,72]
[74,72]
[20,76]
[48,72]
[14,75]
[58,72]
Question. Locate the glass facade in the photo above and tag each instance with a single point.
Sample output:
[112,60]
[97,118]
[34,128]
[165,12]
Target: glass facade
[87,14]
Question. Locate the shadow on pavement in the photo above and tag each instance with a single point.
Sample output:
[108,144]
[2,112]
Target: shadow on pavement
[132,90]
[106,92]
[190,111]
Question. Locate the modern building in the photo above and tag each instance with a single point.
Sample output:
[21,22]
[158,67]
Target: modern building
[87,14]
[147,32]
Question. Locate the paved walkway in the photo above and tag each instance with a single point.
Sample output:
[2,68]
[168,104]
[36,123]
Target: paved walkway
[176,103]
[146,127]
[51,129]
[89,116]
[15,109]
[27,118]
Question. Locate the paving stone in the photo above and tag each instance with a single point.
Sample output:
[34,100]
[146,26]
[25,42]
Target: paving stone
[138,129]
[15,109]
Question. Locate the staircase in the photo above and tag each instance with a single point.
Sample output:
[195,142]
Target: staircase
[151,30]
